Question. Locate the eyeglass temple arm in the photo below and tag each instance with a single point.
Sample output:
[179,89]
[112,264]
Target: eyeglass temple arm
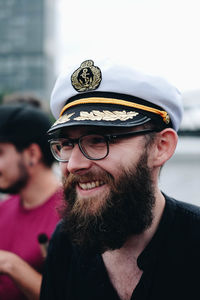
[132,133]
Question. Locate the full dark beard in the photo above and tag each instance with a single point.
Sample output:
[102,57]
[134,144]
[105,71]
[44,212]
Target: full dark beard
[126,211]
[20,182]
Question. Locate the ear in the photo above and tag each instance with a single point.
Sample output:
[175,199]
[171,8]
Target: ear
[163,147]
[32,155]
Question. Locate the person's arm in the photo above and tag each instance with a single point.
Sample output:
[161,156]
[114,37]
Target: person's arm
[26,278]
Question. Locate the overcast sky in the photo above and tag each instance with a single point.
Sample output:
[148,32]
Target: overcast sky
[153,35]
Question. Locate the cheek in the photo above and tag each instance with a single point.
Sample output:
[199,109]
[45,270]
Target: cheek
[123,157]
[9,173]
[63,168]
[113,166]
[7,162]
[120,160]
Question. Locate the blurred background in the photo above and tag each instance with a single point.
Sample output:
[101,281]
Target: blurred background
[39,38]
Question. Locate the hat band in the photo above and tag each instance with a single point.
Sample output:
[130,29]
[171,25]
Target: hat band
[98,100]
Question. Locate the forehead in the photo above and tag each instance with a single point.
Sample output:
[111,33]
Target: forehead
[6,144]
[8,147]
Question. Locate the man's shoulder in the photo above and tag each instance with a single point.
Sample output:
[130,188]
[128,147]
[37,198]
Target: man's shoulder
[9,201]
[185,210]
[186,220]
[9,209]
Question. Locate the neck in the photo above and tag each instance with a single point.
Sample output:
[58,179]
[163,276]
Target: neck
[121,264]
[136,244]
[42,185]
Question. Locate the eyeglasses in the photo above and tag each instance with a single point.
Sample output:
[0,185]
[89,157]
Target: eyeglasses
[92,146]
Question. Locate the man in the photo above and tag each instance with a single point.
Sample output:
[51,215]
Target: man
[120,236]
[30,213]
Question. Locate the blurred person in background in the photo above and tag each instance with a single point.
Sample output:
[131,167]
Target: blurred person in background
[26,174]
[25,99]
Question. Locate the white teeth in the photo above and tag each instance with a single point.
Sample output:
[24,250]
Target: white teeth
[83,186]
[90,185]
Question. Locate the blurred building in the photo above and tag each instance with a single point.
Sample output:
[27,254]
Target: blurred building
[26,36]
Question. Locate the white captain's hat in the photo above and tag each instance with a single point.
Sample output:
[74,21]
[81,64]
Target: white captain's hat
[108,93]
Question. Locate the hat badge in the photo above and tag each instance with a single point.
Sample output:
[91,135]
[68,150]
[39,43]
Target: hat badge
[86,77]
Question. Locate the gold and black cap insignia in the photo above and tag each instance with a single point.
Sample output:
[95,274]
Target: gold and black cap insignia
[87,77]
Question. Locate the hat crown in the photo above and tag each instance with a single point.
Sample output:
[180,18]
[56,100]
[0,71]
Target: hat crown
[114,77]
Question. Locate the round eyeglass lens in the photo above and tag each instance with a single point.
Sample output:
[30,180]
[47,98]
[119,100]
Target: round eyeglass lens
[62,149]
[94,146]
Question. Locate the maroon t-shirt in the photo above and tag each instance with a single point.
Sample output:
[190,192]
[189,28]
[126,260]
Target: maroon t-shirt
[19,230]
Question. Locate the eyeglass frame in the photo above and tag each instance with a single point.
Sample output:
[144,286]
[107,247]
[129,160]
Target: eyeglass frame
[108,138]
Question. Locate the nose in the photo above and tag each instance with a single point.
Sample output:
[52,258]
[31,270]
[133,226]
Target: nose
[78,162]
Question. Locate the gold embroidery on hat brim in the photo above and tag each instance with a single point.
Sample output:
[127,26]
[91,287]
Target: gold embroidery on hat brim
[106,115]
[96,115]
[98,100]
[63,119]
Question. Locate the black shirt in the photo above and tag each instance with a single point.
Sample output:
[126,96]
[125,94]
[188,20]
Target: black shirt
[170,263]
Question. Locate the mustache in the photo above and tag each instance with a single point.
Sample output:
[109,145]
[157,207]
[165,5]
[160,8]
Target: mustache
[72,179]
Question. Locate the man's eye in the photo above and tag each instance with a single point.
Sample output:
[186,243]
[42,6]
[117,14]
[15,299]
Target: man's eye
[58,147]
[67,144]
[97,140]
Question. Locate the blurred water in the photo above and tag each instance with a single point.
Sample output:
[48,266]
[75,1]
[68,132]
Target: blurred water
[180,177]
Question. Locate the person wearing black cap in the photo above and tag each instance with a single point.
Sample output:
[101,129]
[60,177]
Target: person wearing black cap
[26,174]
[120,237]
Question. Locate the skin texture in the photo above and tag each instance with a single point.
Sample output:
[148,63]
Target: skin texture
[11,179]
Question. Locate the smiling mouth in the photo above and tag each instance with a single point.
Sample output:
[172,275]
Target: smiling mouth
[90,185]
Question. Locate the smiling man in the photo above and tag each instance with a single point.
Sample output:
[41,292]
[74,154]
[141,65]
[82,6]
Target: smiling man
[120,237]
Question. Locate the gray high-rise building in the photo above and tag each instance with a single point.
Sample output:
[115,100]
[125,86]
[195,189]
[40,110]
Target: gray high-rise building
[26,64]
